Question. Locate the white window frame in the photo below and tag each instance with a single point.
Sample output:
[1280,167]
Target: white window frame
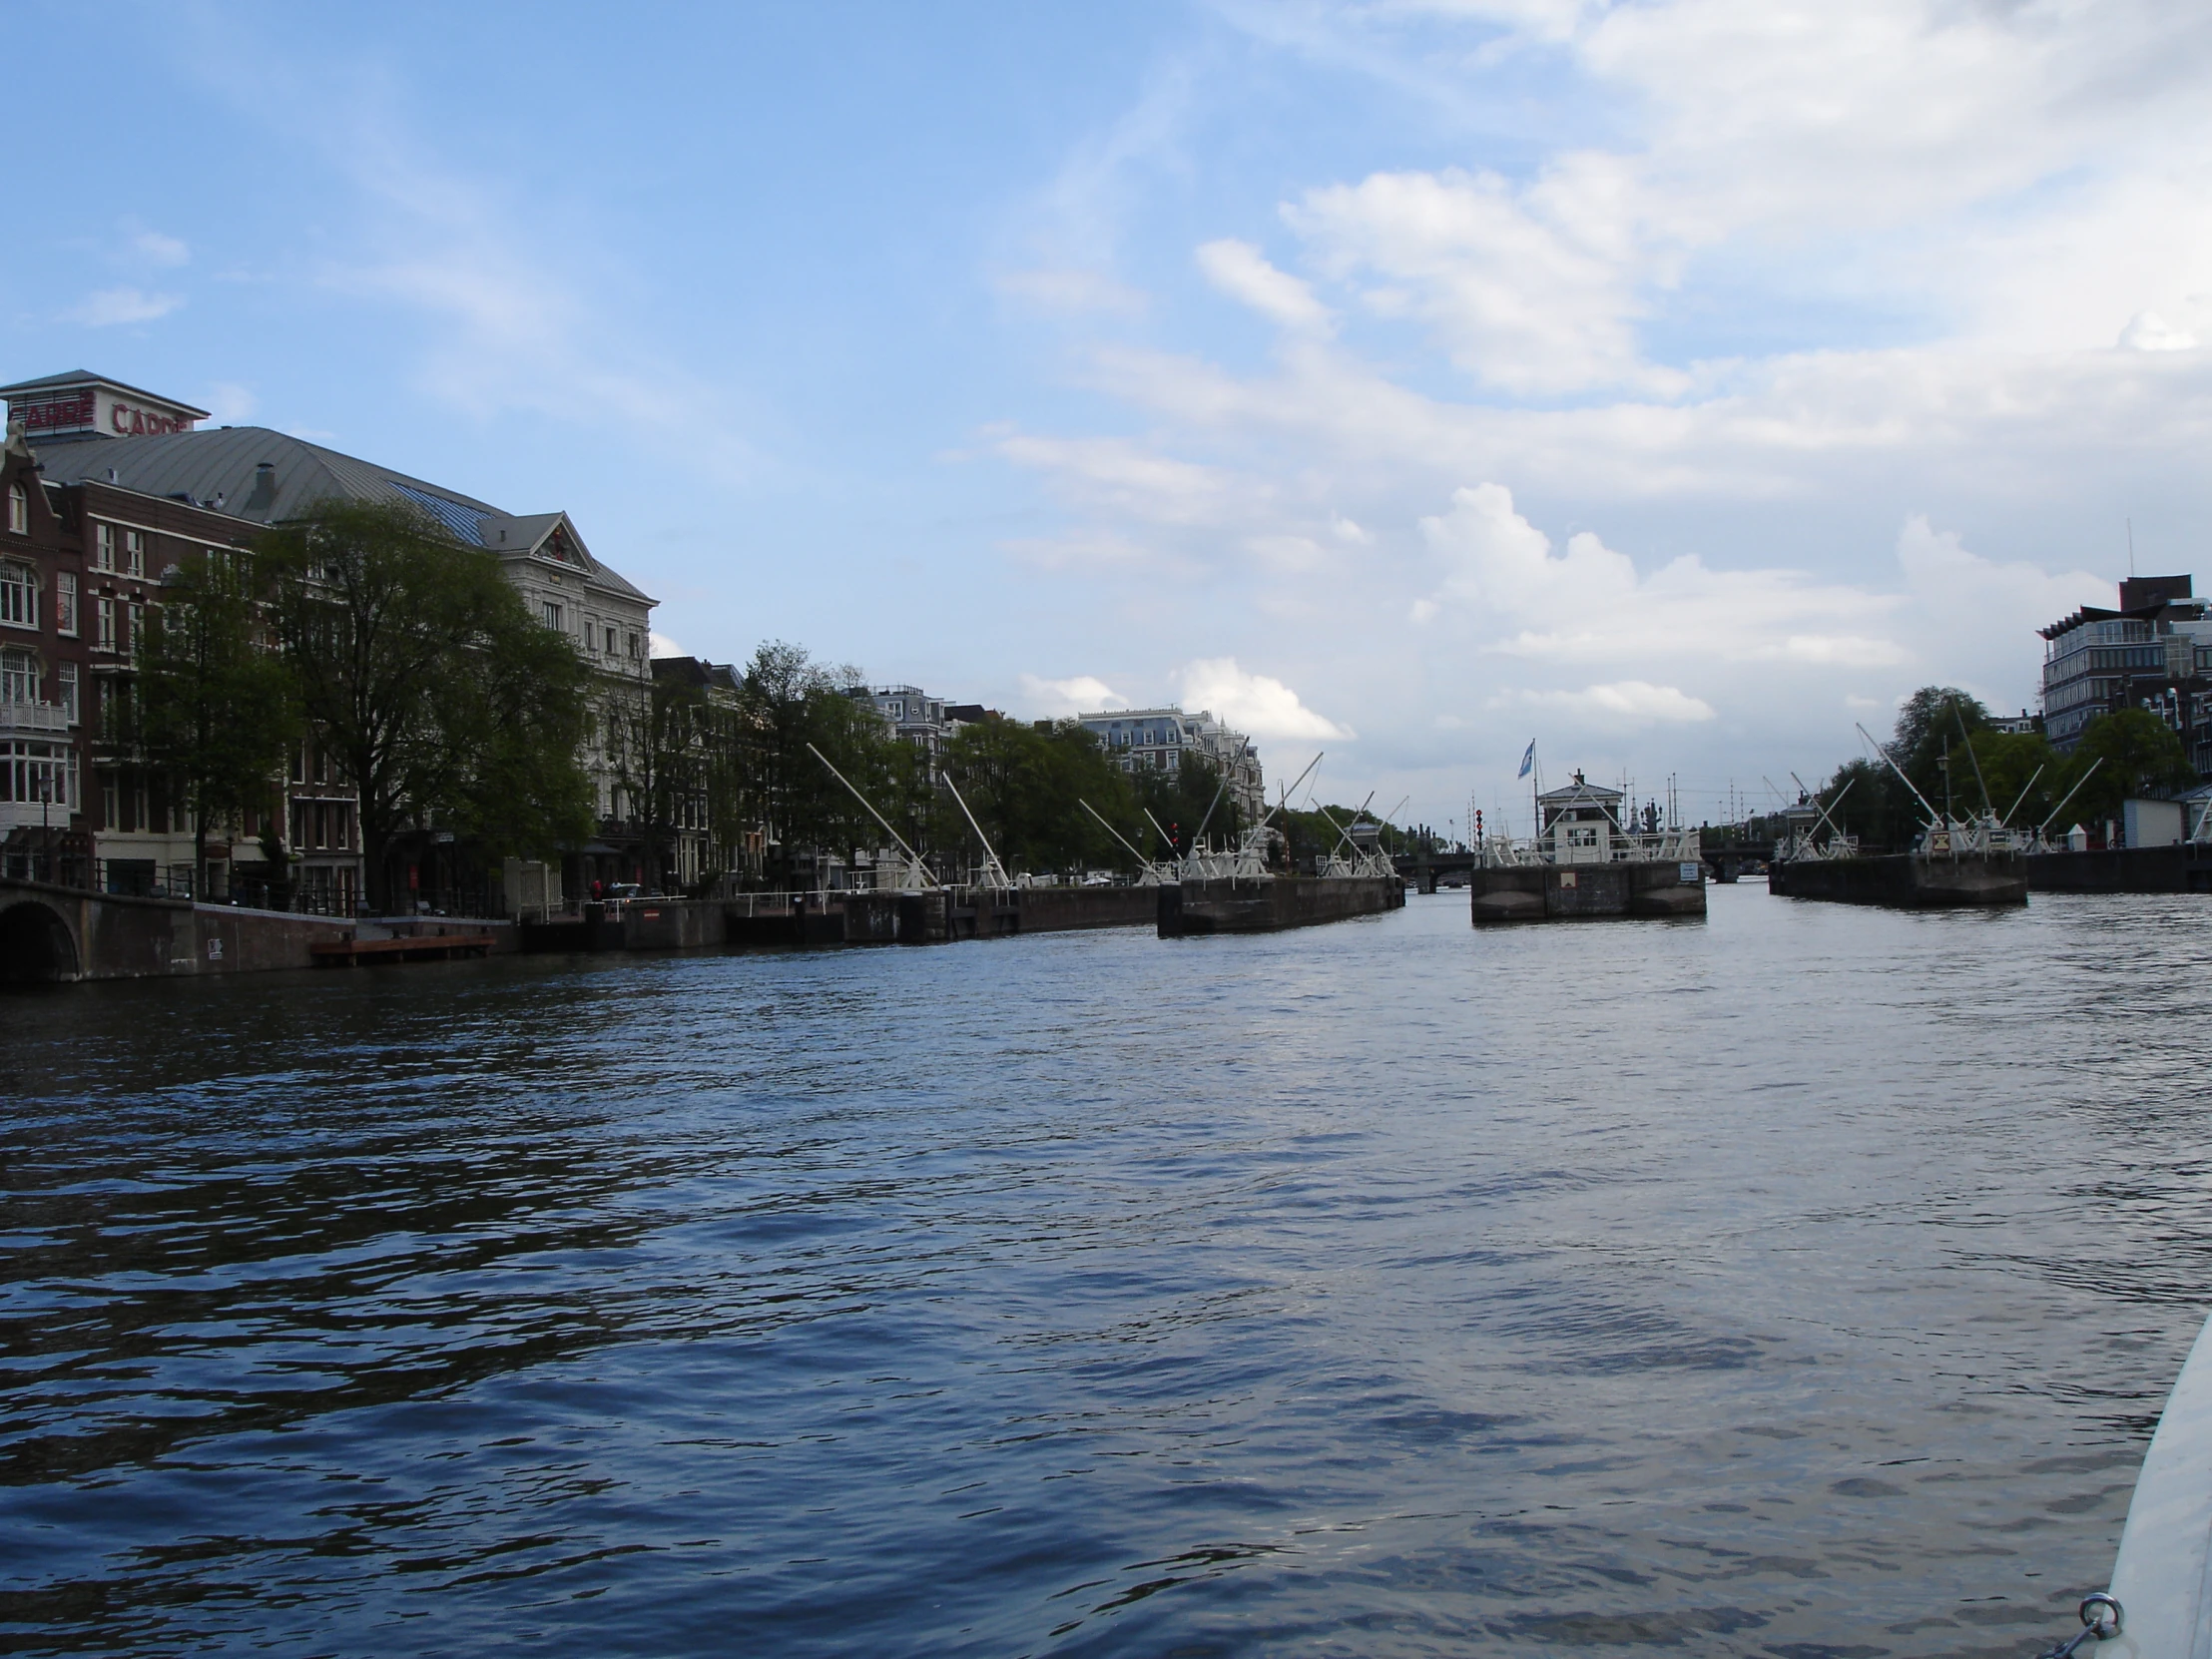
[19,509]
[103,638]
[65,603]
[19,676]
[72,696]
[18,595]
[133,552]
[103,547]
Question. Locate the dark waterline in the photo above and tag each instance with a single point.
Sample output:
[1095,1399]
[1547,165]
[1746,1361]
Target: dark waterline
[1804,1282]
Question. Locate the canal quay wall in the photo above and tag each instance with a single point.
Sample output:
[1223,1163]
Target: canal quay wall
[1576,892]
[1229,905]
[2177,869]
[56,934]
[1905,881]
[936,915]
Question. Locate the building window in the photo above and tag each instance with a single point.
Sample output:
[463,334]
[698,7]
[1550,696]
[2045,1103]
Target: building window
[633,645]
[138,628]
[18,676]
[18,596]
[65,678]
[610,642]
[19,510]
[65,602]
[553,616]
[103,548]
[103,616]
[134,553]
[34,771]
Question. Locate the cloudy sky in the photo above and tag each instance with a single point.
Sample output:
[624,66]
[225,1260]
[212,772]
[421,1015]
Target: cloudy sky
[1674,383]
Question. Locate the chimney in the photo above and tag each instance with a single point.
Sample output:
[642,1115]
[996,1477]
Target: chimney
[263,494]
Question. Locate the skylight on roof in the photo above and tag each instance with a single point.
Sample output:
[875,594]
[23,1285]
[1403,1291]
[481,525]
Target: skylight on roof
[466,523]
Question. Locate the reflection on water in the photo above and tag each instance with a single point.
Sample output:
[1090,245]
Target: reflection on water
[1804,1282]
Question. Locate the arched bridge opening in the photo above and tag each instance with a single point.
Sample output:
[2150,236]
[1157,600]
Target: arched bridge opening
[36,946]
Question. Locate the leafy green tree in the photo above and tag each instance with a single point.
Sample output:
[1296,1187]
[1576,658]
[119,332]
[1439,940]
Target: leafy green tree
[1183,797]
[422,675]
[2142,755]
[1934,727]
[2022,771]
[1866,799]
[1026,783]
[216,706]
[788,702]
[660,745]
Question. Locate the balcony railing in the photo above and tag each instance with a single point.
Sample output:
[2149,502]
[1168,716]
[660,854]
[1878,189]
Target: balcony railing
[33,716]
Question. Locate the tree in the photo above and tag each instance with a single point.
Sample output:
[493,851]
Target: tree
[1027,781]
[660,749]
[1183,798]
[2140,756]
[1866,799]
[2022,771]
[215,707]
[424,678]
[1932,727]
[788,702]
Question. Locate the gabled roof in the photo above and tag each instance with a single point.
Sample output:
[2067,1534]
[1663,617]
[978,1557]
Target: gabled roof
[1567,795]
[550,536]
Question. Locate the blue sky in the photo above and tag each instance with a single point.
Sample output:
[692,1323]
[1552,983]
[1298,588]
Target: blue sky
[1675,382]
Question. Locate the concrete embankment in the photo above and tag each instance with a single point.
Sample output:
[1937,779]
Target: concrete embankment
[1270,904]
[54,935]
[2179,868]
[1905,881]
[1576,892]
[937,915]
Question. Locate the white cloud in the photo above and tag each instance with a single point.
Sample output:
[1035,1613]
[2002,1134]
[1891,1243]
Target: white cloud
[1255,704]
[1622,703]
[1530,288]
[1117,475]
[228,403]
[1591,604]
[1079,694]
[155,249]
[110,307]
[1240,271]
[1070,292]
[661,646]
[2148,331]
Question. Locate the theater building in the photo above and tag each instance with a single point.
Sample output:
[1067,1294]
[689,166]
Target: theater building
[132,480]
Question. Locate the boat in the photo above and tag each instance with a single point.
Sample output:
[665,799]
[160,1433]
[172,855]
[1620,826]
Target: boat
[1587,860]
[2159,1605]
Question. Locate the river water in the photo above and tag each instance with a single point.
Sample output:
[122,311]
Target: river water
[1804,1282]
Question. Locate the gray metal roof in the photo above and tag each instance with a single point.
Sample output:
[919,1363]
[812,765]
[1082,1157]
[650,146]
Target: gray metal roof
[218,469]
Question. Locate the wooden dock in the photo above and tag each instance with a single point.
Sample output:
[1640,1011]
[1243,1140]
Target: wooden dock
[425,948]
